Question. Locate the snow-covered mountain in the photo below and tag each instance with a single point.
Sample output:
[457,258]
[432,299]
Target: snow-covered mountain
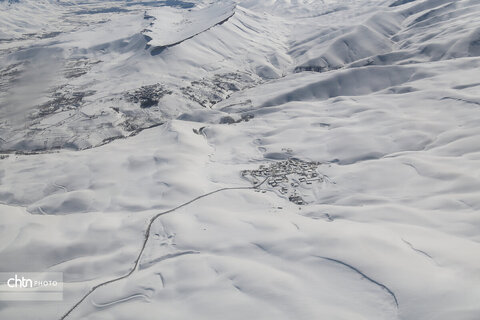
[280,159]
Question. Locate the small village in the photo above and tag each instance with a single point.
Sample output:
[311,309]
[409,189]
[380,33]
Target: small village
[287,178]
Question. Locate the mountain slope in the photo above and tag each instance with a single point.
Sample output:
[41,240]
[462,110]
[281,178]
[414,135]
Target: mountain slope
[303,159]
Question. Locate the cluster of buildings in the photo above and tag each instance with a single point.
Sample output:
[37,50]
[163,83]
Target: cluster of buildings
[286,177]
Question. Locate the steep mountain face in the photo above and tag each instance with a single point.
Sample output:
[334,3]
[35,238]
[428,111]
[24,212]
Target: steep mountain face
[282,159]
[66,63]
[71,82]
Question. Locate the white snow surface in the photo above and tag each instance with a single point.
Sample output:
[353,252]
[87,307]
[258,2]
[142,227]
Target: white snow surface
[380,98]
[173,26]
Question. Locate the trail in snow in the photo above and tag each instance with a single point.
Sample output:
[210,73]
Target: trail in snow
[381,285]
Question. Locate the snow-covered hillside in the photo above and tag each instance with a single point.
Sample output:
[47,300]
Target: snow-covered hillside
[271,159]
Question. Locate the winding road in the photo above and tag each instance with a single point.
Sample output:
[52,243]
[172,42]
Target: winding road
[147,237]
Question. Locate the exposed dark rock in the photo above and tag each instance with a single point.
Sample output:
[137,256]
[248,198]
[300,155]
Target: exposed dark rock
[227,120]
[78,67]
[147,96]
[210,91]
[62,100]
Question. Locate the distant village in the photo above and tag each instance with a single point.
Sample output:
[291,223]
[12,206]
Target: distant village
[286,177]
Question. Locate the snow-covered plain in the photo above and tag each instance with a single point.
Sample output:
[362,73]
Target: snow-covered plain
[378,100]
